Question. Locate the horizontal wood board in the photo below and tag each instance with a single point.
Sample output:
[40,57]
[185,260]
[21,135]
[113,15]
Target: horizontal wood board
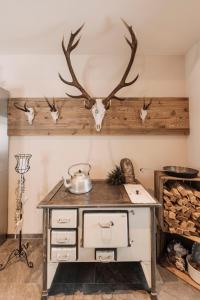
[165,116]
[184,276]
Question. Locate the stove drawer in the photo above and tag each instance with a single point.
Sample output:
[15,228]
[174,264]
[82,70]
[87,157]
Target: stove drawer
[105,229]
[63,237]
[63,254]
[64,218]
[105,255]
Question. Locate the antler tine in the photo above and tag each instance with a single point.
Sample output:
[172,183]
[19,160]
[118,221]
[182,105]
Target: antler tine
[25,107]
[54,105]
[144,105]
[18,107]
[75,83]
[147,106]
[123,83]
[49,104]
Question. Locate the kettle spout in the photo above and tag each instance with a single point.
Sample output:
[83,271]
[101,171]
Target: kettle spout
[66,182]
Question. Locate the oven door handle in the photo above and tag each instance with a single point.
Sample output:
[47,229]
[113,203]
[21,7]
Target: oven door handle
[106,225]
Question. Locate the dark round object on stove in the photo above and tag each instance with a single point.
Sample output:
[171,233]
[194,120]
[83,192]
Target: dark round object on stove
[181,172]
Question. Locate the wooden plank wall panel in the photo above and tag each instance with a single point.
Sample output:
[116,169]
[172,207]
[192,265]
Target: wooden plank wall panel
[166,116]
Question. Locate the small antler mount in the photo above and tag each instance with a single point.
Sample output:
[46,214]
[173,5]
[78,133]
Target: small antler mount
[29,112]
[53,109]
[144,110]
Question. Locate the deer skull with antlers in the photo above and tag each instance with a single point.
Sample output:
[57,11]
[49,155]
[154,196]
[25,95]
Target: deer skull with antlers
[98,106]
[144,111]
[29,112]
[53,110]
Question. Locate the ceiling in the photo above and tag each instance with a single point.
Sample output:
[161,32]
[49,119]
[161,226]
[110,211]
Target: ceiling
[163,27]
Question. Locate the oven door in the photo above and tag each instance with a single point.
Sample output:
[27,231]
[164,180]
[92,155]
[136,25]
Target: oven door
[105,229]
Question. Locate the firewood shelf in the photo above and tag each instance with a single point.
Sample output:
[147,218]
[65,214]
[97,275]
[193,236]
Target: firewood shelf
[160,179]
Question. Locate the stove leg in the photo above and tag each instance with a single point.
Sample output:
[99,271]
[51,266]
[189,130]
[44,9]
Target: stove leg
[154,296]
[44,295]
[153,255]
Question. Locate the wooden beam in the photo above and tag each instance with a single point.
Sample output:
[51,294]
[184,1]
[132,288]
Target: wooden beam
[165,116]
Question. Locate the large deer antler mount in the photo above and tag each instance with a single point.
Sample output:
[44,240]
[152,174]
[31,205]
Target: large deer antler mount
[98,107]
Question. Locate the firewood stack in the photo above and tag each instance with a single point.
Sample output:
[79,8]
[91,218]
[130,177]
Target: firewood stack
[181,209]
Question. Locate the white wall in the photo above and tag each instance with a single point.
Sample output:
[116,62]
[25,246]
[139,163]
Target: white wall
[193,91]
[32,76]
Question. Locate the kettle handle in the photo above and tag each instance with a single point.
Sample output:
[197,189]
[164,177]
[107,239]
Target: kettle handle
[66,182]
[79,164]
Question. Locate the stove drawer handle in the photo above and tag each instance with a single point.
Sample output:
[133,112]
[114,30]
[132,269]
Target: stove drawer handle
[63,257]
[64,221]
[106,225]
[107,258]
[62,241]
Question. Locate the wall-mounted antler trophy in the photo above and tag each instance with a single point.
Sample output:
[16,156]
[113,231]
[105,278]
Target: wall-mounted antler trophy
[29,112]
[144,111]
[98,106]
[53,110]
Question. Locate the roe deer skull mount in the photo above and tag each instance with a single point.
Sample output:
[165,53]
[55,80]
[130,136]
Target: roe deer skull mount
[29,112]
[144,111]
[53,110]
[97,106]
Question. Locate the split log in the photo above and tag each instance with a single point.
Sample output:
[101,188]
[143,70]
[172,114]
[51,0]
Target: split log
[190,224]
[180,217]
[176,193]
[172,230]
[184,209]
[179,230]
[178,208]
[193,200]
[197,194]
[195,215]
[167,193]
[168,203]
[181,190]
[166,214]
[183,224]
[183,201]
[172,223]
[172,215]
[188,214]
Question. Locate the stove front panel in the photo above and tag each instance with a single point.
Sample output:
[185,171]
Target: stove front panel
[115,233]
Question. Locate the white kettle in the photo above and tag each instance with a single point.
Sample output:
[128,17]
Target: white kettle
[80,182]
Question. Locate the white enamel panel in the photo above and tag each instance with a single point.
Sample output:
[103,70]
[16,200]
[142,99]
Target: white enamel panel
[105,230]
[64,218]
[63,237]
[63,254]
[138,194]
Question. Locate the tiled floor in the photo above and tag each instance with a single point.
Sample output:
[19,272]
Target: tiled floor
[18,282]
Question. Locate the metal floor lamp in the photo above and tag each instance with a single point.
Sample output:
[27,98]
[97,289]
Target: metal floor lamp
[20,253]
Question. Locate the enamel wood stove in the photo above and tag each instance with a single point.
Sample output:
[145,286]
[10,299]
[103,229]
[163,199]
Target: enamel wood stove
[108,224]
